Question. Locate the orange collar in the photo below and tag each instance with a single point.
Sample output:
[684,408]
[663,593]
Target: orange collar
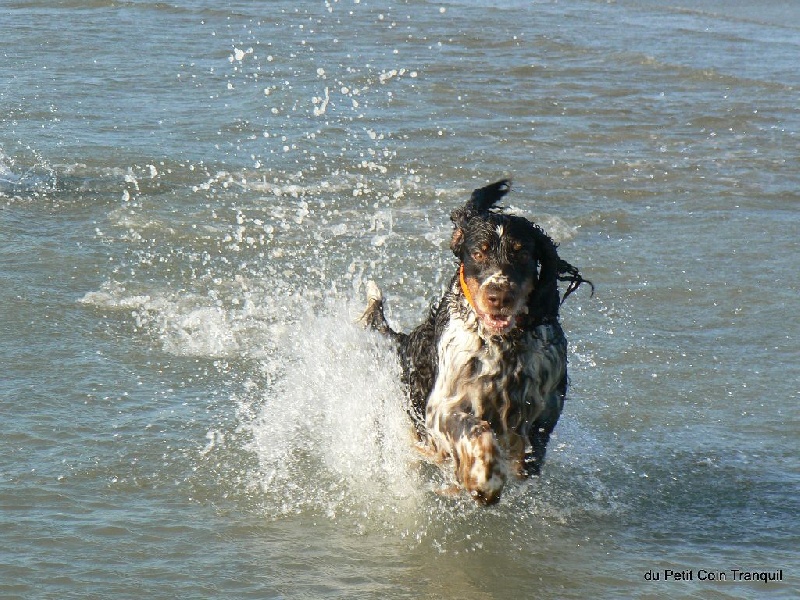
[464,287]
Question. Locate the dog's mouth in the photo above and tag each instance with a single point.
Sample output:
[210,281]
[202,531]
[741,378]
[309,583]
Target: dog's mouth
[496,302]
[497,324]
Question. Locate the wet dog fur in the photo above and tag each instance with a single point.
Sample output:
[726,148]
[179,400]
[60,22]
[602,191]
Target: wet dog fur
[487,370]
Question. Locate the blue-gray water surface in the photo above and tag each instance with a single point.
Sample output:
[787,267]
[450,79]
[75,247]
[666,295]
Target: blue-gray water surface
[193,196]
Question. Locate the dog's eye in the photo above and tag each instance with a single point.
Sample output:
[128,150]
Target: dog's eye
[518,252]
[479,253]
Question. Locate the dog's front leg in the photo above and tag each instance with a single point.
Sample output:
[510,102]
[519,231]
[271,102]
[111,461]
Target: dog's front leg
[541,430]
[476,455]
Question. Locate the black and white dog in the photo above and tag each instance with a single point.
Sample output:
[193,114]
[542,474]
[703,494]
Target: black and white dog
[487,371]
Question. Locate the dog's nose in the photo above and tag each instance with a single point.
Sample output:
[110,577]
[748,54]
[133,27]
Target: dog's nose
[499,297]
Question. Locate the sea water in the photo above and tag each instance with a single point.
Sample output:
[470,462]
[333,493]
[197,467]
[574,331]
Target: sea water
[193,196]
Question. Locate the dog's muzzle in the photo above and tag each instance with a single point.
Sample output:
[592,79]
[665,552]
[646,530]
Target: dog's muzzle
[498,304]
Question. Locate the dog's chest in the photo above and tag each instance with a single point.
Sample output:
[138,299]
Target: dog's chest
[501,380]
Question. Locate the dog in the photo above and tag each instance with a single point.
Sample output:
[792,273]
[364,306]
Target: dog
[487,371]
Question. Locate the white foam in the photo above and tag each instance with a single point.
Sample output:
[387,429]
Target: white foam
[334,430]
[191,325]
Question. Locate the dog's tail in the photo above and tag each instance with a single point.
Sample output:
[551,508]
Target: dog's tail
[373,317]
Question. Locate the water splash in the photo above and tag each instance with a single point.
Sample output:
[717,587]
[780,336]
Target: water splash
[331,437]
[333,433]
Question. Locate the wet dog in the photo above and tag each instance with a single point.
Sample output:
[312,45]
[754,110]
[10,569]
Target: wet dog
[487,371]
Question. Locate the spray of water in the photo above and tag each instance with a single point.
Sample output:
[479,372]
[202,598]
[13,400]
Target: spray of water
[332,434]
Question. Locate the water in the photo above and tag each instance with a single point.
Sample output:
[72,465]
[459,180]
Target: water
[193,195]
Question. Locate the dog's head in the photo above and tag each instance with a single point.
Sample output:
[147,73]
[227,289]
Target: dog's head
[510,267]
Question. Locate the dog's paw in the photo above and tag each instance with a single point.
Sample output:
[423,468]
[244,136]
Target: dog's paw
[374,293]
[514,447]
[479,465]
[372,317]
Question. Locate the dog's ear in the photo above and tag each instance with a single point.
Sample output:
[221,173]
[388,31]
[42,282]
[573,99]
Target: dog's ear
[459,217]
[552,269]
[547,255]
[543,301]
[485,198]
